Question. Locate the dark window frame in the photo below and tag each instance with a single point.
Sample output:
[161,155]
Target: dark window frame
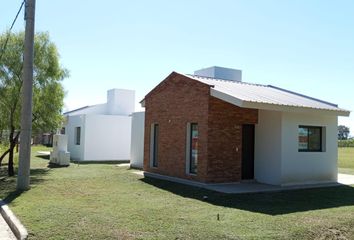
[308,139]
[192,169]
[155,145]
[78,135]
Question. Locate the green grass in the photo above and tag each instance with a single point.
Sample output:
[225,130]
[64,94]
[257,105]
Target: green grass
[103,201]
[346,160]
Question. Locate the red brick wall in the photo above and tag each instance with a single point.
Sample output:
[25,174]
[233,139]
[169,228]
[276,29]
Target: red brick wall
[224,136]
[172,104]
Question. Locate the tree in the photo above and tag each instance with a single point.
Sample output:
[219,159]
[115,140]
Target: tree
[343,132]
[48,92]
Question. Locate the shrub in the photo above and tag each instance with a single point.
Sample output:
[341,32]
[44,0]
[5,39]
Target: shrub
[346,143]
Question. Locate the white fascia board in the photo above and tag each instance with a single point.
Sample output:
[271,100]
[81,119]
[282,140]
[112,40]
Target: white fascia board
[225,97]
[286,108]
[275,107]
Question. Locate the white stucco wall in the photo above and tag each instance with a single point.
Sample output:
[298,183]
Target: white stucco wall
[107,138]
[308,167]
[76,151]
[137,140]
[277,159]
[267,158]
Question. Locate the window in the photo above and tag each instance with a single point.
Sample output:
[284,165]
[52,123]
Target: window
[310,139]
[154,135]
[77,135]
[192,148]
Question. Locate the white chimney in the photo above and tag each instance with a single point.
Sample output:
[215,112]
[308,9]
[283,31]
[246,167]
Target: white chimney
[220,73]
[120,102]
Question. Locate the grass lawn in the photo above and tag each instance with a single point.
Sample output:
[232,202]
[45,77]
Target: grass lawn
[103,201]
[346,160]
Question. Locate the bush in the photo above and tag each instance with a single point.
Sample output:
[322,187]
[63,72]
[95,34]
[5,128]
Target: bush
[346,143]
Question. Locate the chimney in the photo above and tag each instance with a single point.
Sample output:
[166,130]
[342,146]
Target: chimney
[220,73]
[120,101]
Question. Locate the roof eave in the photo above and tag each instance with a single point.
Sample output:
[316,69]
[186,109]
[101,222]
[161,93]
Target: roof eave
[276,107]
[225,97]
[296,109]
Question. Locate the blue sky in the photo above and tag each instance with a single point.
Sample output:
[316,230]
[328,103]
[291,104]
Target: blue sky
[304,46]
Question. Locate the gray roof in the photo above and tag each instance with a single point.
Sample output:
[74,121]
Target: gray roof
[268,97]
[75,110]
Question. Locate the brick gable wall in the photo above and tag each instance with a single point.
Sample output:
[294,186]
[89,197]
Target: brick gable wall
[172,104]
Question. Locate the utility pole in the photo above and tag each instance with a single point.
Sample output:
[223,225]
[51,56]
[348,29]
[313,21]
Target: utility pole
[23,178]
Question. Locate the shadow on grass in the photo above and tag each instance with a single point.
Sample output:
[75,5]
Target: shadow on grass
[268,203]
[8,185]
[46,157]
[50,165]
[87,162]
[53,165]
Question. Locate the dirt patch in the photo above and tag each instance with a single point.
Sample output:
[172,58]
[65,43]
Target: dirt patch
[332,234]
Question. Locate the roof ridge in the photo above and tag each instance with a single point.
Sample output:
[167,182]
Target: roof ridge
[226,80]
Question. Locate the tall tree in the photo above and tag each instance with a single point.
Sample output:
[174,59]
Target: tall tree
[343,132]
[48,92]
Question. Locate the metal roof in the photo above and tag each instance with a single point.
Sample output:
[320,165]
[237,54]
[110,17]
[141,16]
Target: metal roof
[75,110]
[268,97]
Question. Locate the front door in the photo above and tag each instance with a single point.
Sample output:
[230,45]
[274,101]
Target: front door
[247,151]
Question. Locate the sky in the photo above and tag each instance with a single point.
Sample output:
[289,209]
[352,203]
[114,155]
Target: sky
[304,46]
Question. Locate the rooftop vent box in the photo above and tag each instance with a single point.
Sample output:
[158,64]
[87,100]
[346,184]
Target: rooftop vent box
[220,73]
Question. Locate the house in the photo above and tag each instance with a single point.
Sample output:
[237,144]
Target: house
[43,138]
[101,132]
[211,127]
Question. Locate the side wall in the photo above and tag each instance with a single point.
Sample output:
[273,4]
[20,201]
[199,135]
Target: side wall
[225,139]
[172,104]
[308,167]
[277,159]
[76,151]
[268,144]
[107,138]
[137,140]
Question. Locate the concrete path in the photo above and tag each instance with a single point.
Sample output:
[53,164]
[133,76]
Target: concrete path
[346,179]
[5,231]
[43,153]
[252,187]
[255,187]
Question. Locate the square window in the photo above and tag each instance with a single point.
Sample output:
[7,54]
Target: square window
[310,139]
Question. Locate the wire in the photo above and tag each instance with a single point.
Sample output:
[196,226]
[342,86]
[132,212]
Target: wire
[9,32]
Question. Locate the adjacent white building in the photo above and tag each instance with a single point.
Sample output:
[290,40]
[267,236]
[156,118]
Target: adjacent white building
[102,132]
[137,140]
